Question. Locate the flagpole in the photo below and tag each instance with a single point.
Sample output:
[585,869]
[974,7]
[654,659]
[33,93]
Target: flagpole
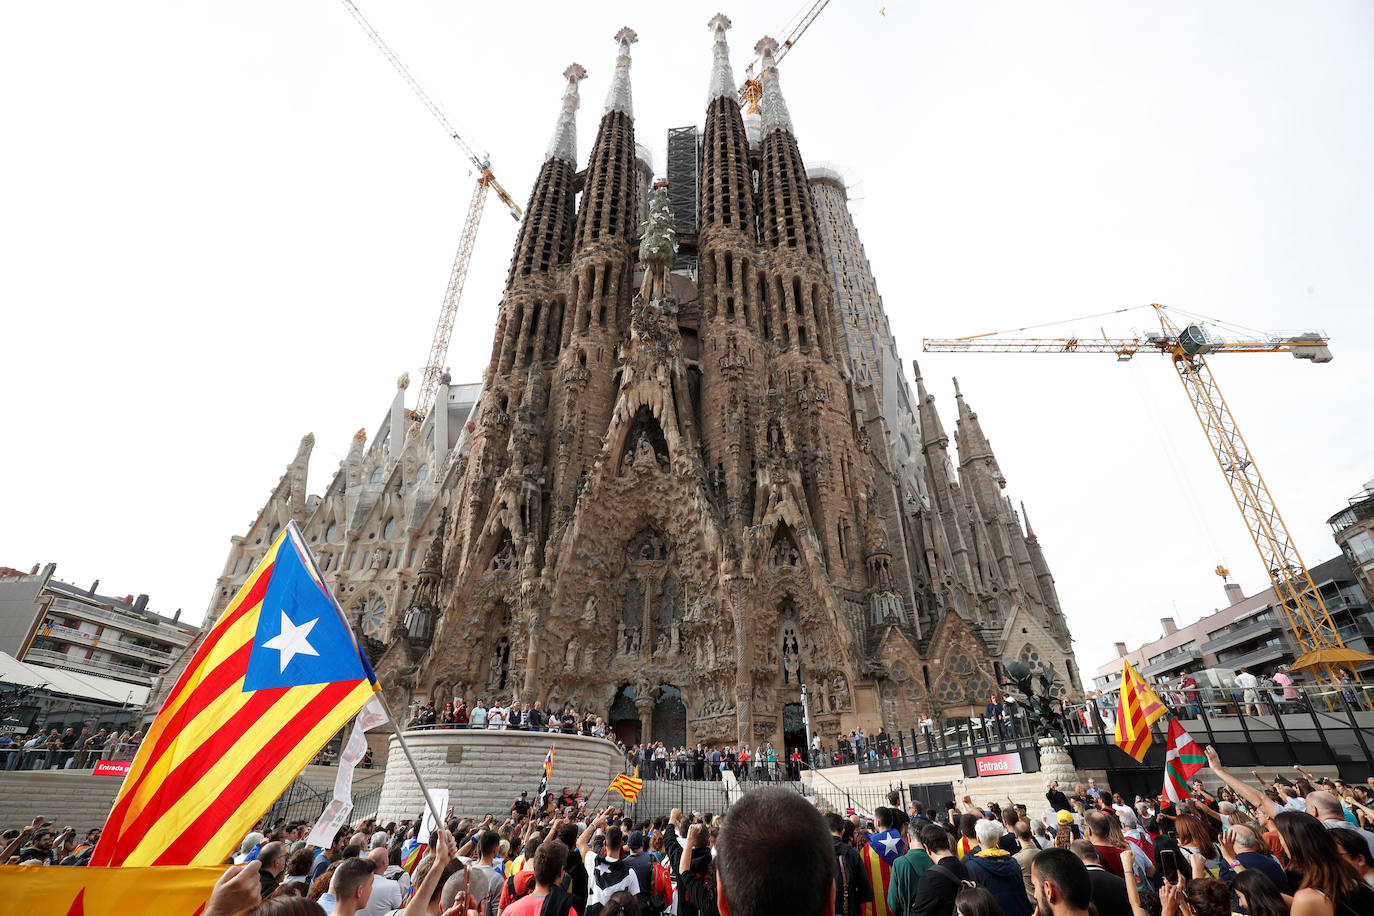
[405,748]
[293,528]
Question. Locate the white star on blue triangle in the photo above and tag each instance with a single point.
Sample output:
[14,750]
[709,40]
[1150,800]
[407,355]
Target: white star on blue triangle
[301,638]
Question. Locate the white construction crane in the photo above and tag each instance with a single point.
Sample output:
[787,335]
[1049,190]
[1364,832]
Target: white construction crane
[443,330]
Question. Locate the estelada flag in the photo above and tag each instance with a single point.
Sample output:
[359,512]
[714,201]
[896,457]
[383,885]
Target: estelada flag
[108,891]
[882,850]
[1182,759]
[1136,709]
[628,787]
[548,763]
[278,674]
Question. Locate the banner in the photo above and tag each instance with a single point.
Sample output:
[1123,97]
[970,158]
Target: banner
[336,812]
[427,824]
[111,768]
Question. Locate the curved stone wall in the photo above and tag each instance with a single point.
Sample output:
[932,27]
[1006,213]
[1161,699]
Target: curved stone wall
[485,771]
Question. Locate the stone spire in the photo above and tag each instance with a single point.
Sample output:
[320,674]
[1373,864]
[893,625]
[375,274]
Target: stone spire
[726,197]
[563,144]
[772,106]
[618,96]
[722,77]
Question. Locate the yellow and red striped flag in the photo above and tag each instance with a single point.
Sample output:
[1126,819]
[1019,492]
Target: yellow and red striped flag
[548,763]
[628,787]
[275,678]
[109,891]
[1136,709]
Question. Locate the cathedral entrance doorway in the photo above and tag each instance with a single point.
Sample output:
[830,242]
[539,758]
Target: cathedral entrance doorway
[670,718]
[624,717]
[793,736]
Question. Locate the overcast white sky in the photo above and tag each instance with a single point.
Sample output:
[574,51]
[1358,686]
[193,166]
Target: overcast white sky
[227,225]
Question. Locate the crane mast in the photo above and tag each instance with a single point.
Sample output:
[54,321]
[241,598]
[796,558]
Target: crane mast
[458,274]
[1319,642]
[752,90]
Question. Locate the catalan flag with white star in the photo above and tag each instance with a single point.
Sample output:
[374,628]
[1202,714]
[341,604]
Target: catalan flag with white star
[276,677]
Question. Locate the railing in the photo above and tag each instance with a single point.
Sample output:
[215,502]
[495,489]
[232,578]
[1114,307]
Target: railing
[177,638]
[1171,660]
[86,665]
[1239,632]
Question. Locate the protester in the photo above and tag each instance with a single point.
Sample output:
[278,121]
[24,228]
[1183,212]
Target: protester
[941,882]
[1108,890]
[351,886]
[907,870]
[1062,885]
[1257,895]
[1329,883]
[993,868]
[852,887]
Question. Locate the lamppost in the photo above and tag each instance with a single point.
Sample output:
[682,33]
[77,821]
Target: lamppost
[806,721]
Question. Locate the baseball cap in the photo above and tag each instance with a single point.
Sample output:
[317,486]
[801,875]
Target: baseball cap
[1064,817]
[636,839]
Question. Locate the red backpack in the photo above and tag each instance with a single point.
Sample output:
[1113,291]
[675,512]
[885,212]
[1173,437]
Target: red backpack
[663,886]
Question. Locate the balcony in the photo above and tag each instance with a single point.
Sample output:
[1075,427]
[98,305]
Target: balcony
[1261,656]
[1239,632]
[1172,662]
[89,666]
[124,622]
[109,643]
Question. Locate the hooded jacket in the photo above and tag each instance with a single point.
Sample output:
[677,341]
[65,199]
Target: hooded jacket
[1001,874]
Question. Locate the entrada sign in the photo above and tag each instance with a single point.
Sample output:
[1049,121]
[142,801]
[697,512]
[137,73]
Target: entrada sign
[998,764]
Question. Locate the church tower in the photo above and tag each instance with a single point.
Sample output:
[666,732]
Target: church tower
[667,507]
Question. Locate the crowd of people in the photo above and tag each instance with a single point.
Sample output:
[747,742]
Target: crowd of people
[66,750]
[1280,847]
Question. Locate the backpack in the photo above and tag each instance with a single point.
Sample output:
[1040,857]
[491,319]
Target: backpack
[661,894]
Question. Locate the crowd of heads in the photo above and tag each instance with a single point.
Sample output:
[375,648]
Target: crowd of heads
[1270,848]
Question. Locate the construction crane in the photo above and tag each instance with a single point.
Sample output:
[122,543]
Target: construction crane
[752,90]
[443,329]
[1322,649]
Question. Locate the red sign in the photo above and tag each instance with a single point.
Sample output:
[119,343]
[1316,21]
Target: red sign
[998,764]
[112,768]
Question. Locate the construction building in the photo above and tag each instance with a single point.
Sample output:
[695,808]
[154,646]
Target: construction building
[1251,631]
[46,621]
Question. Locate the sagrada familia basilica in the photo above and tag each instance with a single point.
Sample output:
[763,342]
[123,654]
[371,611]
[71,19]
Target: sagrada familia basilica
[693,477]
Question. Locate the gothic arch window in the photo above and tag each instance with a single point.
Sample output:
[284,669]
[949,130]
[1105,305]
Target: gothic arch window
[389,529]
[332,530]
[276,530]
[1029,654]
[423,473]
[376,476]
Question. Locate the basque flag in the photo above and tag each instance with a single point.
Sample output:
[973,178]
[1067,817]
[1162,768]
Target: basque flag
[276,677]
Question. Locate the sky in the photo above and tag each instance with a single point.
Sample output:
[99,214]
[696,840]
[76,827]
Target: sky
[228,225]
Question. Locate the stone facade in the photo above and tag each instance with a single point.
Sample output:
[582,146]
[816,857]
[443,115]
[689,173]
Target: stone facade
[677,499]
[673,510]
[484,771]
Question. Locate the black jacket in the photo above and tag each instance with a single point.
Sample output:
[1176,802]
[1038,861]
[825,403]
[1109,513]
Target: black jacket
[1058,801]
[851,880]
[696,887]
[1109,893]
[938,886]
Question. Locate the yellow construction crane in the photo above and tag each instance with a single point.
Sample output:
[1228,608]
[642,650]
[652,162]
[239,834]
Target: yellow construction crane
[443,329]
[752,90]
[1323,650]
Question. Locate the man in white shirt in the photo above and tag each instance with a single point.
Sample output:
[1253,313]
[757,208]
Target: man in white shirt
[386,894]
[1249,684]
[496,716]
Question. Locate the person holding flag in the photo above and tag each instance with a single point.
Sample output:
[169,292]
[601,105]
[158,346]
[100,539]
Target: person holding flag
[884,847]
